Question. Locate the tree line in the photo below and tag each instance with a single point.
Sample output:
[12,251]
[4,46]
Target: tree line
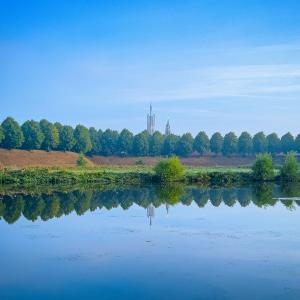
[54,205]
[44,135]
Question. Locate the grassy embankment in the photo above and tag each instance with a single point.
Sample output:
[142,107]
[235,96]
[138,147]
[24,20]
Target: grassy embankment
[119,175]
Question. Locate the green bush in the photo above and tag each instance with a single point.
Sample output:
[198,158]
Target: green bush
[169,170]
[290,168]
[139,162]
[81,161]
[263,169]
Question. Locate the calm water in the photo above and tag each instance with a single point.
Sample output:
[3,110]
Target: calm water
[151,243]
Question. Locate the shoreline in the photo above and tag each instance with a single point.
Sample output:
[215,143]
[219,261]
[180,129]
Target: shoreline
[122,176]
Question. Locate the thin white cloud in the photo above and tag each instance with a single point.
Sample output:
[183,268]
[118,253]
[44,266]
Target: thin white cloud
[236,81]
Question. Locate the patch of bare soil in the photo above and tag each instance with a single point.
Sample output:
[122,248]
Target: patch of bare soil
[205,161]
[37,158]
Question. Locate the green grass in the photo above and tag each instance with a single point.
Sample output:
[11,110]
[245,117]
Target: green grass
[120,175]
[207,170]
[75,175]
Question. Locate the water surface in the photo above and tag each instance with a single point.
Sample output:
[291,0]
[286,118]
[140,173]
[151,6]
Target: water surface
[151,243]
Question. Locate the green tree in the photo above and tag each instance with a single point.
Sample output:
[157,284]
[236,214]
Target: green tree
[262,194]
[125,142]
[245,145]
[1,134]
[109,142]
[290,168]
[230,145]
[58,126]
[201,143]
[83,141]
[13,135]
[156,143]
[184,145]
[169,193]
[216,143]
[51,135]
[33,208]
[259,143]
[287,143]
[169,170]
[95,136]
[297,143]
[262,168]
[141,144]
[81,161]
[66,138]
[169,145]
[229,197]
[13,209]
[33,135]
[273,143]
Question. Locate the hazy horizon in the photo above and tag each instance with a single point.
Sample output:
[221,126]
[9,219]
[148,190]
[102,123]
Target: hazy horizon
[204,65]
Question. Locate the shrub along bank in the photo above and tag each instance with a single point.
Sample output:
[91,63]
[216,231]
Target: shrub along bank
[44,176]
[169,170]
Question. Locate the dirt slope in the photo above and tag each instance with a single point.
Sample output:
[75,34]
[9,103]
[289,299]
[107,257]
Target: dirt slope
[206,161]
[23,158]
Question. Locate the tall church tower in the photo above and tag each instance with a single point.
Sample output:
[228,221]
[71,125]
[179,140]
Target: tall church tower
[150,213]
[168,129]
[151,121]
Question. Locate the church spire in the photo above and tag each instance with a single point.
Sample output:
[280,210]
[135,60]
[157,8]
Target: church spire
[168,129]
[151,121]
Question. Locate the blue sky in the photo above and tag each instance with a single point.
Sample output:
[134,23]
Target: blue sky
[205,65]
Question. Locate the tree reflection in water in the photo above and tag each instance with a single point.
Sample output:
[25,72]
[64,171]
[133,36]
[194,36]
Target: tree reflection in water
[57,204]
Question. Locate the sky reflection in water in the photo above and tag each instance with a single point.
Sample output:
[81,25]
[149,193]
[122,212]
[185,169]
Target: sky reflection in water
[236,243]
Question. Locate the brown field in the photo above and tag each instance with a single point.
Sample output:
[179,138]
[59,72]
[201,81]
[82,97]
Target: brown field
[23,158]
[205,161]
[37,158]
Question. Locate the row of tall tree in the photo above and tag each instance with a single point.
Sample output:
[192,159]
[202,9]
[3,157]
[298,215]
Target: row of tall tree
[48,136]
[46,206]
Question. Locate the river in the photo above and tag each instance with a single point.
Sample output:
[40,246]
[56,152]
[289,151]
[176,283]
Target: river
[176,242]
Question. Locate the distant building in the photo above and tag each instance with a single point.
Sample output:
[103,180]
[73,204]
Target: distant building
[151,121]
[168,129]
[150,213]
[167,209]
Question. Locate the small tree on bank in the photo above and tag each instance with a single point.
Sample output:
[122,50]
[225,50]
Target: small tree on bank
[81,161]
[290,168]
[262,168]
[169,170]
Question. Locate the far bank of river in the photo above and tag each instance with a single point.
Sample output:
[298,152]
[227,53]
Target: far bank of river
[122,175]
